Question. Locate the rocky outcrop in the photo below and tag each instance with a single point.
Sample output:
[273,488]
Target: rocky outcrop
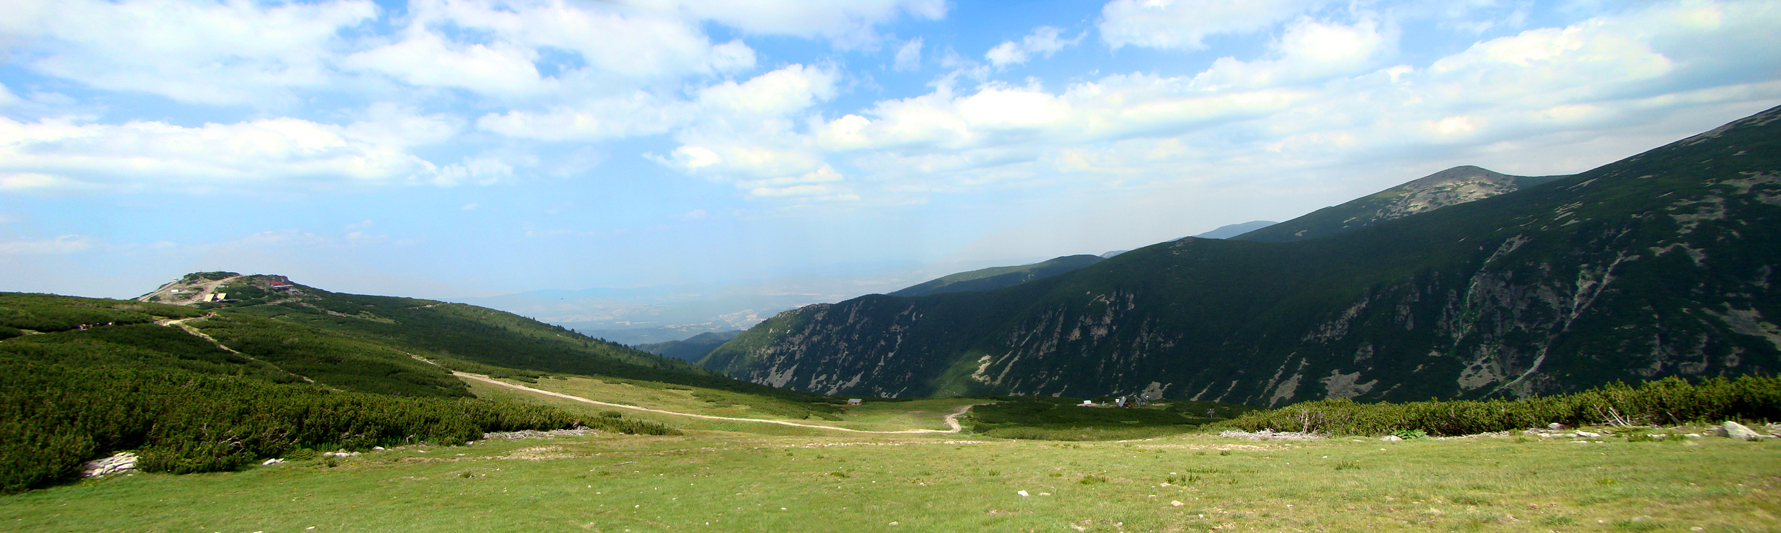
[116,464]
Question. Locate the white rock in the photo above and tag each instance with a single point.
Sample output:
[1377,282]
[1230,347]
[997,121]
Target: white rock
[1555,426]
[270,462]
[1693,435]
[1392,438]
[1022,494]
[1737,431]
[1588,435]
[122,462]
[1176,503]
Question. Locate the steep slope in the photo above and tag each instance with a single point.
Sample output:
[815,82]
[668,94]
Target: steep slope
[1661,264]
[1449,187]
[999,277]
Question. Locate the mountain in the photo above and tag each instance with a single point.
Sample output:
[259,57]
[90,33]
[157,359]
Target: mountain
[1449,187]
[999,277]
[1233,230]
[691,349]
[1661,264]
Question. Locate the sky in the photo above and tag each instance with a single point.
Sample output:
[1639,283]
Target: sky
[454,149]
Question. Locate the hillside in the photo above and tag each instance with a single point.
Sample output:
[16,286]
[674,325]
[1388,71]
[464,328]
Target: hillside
[1449,187]
[1657,265]
[999,277]
[458,336]
[692,348]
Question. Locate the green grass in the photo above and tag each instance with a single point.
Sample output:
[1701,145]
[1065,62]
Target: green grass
[751,482]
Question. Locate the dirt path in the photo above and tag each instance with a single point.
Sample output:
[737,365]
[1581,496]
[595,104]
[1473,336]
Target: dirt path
[952,420]
[181,323]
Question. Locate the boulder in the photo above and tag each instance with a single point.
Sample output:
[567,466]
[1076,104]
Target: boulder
[1588,435]
[1737,431]
[122,462]
[1392,438]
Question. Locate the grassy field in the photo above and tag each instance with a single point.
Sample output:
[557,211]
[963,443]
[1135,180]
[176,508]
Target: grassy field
[741,476]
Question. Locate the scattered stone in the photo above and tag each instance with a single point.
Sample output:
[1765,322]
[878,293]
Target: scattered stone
[1588,435]
[1022,494]
[1268,434]
[270,462]
[1555,426]
[1693,435]
[1737,431]
[1392,438]
[1176,503]
[377,448]
[532,434]
[122,462]
[341,453]
[893,523]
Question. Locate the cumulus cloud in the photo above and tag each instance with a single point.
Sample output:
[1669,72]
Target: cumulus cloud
[1323,92]
[280,152]
[214,53]
[1184,24]
[1044,41]
[847,24]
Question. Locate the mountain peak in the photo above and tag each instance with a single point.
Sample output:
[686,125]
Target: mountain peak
[1454,186]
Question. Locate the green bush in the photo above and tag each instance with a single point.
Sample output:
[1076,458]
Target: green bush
[52,417]
[1666,401]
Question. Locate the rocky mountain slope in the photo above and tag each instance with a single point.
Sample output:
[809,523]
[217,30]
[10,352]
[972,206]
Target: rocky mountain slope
[1661,264]
[1449,187]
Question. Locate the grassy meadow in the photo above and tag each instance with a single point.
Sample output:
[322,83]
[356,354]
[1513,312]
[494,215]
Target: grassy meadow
[742,476]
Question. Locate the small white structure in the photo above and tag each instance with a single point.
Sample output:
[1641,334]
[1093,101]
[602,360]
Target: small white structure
[1088,403]
[853,401]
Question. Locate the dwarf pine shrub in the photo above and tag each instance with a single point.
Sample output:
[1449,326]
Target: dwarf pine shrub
[1666,401]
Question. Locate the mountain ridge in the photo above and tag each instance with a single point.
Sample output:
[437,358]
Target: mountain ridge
[1651,266]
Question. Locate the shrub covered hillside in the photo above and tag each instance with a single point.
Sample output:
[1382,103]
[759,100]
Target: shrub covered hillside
[1663,402]
[83,378]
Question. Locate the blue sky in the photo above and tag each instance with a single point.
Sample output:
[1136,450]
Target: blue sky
[469,148]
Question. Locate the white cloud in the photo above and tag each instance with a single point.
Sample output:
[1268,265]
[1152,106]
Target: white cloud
[66,244]
[1044,41]
[7,99]
[1184,24]
[282,152]
[1323,94]
[908,56]
[1309,51]
[848,24]
[217,53]
[780,92]
[635,114]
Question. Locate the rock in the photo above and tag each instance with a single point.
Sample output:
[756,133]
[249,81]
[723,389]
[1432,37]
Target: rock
[1737,431]
[377,448]
[1555,426]
[1588,435]
[1176,503]
[1022,494]
[270,462]
[122,462]
[1392,438]
[1693,435]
